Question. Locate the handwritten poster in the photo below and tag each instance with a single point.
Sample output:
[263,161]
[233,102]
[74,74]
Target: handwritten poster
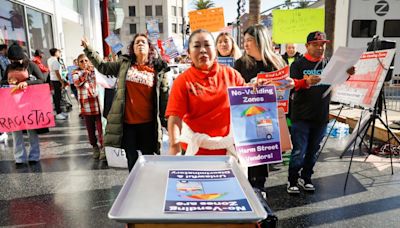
[27,109]
[364,86]
[194,191]
[116,157]
[209,19]
[280,80]
[293,26]
[254,121]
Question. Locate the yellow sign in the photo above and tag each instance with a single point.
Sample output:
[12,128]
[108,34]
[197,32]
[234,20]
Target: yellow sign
[293,26]
[208,19]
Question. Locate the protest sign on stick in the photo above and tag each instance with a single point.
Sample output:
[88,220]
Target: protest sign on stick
[209,19]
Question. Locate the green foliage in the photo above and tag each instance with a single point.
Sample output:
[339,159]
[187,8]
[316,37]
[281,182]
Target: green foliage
[203,4]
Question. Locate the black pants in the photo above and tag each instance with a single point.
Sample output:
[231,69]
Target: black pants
[138,137]
[57,95]
[257,175]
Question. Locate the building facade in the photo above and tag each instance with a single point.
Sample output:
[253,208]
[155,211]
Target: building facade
[46,24]
[169,13]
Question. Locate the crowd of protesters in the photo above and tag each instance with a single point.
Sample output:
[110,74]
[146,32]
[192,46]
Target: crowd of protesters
[196,106]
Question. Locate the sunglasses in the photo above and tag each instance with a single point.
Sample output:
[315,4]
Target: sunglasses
[83,61]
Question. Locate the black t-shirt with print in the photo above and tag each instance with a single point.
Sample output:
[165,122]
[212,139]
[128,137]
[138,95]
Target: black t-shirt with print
[309,104]
[249,73]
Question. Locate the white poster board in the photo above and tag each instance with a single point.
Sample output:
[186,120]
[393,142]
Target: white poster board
[364,86]
[116,157]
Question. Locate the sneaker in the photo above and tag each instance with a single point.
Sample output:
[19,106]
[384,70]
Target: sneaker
[96,152]
[102,156]
[292,188]
[60,116]
[306,184]
[64,114]
[3,138]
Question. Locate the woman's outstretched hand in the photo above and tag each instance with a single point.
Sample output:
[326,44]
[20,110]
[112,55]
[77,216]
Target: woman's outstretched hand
[84,42]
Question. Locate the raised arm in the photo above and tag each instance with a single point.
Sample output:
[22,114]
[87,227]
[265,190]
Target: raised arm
[106,68]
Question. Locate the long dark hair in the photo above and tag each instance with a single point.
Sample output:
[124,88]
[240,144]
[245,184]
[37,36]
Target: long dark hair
[151,57]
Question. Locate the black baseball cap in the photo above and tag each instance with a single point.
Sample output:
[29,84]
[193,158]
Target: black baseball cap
[317,36]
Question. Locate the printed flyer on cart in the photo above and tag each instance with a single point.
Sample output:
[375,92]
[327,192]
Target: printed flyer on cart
[254,121]
[194,191]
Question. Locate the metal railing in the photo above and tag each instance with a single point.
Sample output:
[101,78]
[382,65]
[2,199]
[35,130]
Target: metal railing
[392,95]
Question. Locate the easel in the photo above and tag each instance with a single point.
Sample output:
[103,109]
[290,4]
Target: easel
[376,114]
[364,130]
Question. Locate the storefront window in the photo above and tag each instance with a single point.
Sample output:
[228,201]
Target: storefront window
[12,24]
[40,31]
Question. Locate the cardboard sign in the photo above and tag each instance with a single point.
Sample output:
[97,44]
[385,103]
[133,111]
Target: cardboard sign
[211,20]
[293,26]
[254,121]
[116,157]
[27,109]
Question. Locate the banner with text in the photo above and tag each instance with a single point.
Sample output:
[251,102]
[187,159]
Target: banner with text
[293,26]
[280,80]
[27,109]
[194,191]
[254,121]
[364,86]
[209,19]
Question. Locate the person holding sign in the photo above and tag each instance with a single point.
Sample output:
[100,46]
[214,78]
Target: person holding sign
[198,107]
[226,46]
[137,113]
[84,79]
[310,112]
[18,74]
[259,56]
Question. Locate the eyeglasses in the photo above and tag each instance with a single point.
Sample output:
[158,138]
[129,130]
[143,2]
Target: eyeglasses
[83,61]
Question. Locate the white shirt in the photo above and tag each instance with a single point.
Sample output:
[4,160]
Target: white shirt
[54,65]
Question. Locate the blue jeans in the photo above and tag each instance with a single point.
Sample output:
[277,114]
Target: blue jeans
[306,139]
[19,146]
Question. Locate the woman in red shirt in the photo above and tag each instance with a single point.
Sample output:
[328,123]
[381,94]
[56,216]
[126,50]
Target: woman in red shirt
[198,107]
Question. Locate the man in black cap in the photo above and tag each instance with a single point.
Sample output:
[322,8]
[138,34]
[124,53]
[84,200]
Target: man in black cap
[310,112]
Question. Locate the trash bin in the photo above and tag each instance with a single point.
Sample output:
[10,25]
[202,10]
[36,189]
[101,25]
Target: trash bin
[158,184]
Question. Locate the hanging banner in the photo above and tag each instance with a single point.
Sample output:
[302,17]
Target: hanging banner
[208,19]
[293,26]
[27,109]
[280,80]
[364,86]
[254,121]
